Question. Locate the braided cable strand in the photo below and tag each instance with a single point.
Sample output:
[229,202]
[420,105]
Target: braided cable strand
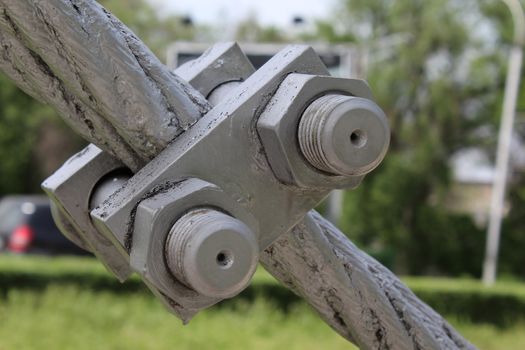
[357,296]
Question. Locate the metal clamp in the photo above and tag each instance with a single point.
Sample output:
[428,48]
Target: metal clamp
[194,219]
[72,191]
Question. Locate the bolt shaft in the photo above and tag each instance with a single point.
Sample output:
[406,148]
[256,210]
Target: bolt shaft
[108,185]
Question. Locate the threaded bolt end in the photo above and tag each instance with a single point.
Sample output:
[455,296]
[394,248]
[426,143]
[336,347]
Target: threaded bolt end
[212,253]
[343,135]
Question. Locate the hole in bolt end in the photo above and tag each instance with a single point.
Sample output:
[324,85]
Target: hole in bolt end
[224,259]
[358,138]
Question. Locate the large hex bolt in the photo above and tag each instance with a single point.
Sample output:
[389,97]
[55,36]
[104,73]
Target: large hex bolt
[108,185]
[343,135]
[212,253]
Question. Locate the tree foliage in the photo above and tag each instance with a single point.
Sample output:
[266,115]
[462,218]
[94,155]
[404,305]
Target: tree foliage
[18,124]
[157,32]
[429,72]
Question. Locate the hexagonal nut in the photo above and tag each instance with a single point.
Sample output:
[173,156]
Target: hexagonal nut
[277,128]
[70,189]
[154,219]
[65,225]
[220,64]
[184,313]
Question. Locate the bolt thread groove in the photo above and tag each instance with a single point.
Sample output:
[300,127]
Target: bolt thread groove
[310,131]
[180,235]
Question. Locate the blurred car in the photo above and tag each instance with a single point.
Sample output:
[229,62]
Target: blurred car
[26,227]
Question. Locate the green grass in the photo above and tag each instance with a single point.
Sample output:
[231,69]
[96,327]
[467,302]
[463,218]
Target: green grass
[70,318]
[466,285]
[71,303]
[76,266]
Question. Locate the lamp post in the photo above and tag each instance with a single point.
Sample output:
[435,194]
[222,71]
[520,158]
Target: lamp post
[504,140]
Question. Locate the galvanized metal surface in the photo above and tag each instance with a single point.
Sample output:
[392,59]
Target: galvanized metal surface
[278,129]
[154,219]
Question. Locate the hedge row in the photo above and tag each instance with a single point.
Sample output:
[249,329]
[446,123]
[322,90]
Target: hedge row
[468,299]
[464,299]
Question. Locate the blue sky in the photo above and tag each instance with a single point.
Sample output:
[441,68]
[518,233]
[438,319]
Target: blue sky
[268,12]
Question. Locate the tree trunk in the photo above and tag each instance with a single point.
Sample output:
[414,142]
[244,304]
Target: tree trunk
[110,88]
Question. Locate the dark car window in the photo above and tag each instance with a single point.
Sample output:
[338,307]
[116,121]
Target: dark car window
[47,237]
[35,213]
[42,217]
[44,227]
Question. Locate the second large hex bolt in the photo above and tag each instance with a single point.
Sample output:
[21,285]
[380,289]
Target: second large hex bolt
[343,135]
[212,253]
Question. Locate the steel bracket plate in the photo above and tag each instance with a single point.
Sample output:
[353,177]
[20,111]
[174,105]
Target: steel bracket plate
[70,189]
[223,148]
